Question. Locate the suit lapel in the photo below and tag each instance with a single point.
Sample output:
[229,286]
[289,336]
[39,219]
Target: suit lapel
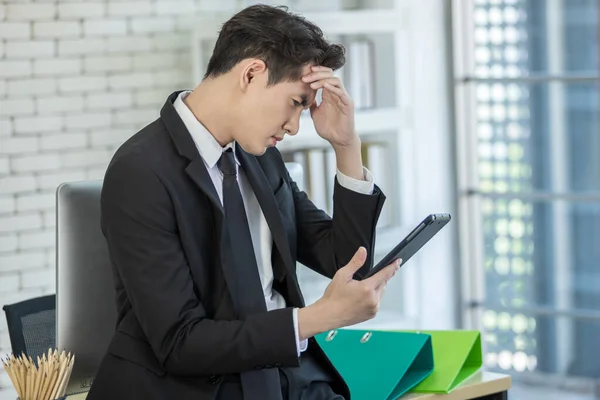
[198,173]
[268,205]
[187,148]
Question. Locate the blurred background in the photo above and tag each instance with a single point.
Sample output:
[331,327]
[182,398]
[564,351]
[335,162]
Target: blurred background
[487,109]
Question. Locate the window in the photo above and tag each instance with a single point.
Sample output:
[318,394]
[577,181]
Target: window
[529,152]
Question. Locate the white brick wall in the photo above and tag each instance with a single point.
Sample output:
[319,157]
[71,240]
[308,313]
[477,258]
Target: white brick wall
[130,8]
[6,127]
[107,63]
[51,180]
[29,49]
[34,163]
[154,24]
[70,47]
[81,10]
[37,124]
[25,12]
[15,30]
[29,87]
[88,120]
[175,7]
[14,68]
[77,78]
[57,29]
[19,222]
[10,107]
[14,184]
[55,104]
[18,145]
[105,27]
[83,83]
[57,66]
[131,80]
[36,201]
[109,100]
[63,141]
[7,206]
[8,282]
[130,44]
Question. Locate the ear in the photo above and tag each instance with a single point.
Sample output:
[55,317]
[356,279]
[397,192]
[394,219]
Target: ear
[251,70]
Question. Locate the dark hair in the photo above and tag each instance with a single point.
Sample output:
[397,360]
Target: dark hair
[286,42]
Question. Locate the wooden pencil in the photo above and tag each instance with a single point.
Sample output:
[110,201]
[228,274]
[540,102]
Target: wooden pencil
[65,381]
[62,365]
[38,379]
[44,379]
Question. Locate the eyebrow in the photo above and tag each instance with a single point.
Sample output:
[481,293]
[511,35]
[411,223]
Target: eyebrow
[304,100]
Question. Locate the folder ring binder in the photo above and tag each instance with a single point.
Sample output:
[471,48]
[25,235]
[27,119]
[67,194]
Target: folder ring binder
[366,337]
[457,355]
[397,361]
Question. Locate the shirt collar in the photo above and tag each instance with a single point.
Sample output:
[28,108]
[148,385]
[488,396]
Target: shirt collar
[210,150]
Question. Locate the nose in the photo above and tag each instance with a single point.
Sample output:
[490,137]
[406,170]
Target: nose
[292,126]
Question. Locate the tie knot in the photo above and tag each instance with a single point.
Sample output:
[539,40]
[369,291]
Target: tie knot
[227,163]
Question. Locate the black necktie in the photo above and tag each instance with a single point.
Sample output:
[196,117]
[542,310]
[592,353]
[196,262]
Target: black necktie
[262,383]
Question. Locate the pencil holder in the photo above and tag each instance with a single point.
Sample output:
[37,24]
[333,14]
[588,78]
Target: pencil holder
[44,379]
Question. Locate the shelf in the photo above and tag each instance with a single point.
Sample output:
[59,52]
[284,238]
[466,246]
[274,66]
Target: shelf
[367,122]
[356,21]
[349,22]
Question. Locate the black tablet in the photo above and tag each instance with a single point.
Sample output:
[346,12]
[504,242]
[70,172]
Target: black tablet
[413,242]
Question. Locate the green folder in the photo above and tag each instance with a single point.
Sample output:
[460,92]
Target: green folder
[378,365]
[457,356]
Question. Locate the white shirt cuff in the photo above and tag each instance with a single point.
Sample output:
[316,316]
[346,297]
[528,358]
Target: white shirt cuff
[356,185]
[301,346]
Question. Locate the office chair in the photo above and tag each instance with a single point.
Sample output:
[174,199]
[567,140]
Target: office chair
[86,311]
[32,325]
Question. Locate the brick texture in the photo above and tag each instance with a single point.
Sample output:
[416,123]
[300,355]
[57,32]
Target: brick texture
[77,78]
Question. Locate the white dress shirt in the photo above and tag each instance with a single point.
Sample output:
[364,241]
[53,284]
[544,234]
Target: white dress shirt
[262,241]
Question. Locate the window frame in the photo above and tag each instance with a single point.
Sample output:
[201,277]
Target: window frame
[469,196]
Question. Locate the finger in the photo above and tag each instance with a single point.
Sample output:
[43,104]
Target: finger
[357,261]
[321,68]
[316,76]
[383,285]
[333,80]
[339,92]
[385,274]
[381,290]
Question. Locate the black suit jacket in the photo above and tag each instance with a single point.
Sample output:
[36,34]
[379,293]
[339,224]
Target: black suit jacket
[179,329]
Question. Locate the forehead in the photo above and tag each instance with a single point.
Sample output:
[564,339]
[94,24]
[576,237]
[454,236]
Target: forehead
[298,88]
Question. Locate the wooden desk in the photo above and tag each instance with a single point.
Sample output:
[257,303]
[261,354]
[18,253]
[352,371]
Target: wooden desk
[483,386]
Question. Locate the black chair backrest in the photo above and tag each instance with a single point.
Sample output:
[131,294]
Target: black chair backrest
[32,325]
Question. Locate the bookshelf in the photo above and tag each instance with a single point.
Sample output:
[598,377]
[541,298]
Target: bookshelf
[383,119]
[368,122]
[347,22]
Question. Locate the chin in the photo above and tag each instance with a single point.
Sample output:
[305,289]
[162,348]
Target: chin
[259,151]
[254,149]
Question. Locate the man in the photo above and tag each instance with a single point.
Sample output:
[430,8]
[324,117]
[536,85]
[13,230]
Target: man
[204,227]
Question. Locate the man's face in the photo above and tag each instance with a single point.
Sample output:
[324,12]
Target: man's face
[268,113]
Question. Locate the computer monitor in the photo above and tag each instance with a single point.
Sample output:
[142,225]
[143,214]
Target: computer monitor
[85,296]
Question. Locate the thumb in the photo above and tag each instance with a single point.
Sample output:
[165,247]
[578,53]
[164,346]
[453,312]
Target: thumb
[357,261]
